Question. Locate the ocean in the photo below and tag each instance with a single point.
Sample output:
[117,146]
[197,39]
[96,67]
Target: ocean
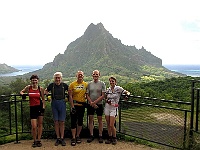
[189,70]
[23,70]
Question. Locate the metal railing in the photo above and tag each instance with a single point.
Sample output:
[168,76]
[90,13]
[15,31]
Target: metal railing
[145,123]
[156,123]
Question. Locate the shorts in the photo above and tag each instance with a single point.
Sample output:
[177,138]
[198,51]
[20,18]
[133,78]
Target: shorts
[99,110]
[77,117]
[58,109]
[110,110]
[36,111]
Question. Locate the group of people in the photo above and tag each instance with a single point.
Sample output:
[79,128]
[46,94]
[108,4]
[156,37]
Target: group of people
[81,95]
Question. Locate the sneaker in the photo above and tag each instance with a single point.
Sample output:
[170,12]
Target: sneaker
[73,142]
[114,141]
[34,144]
[100,139]
[38,143]
[57,142]
[90,139]
[78,140]
[63,142]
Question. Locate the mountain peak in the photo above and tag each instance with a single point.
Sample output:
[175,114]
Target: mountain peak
[93,31]
[98,49]
[100,25]
[92,26]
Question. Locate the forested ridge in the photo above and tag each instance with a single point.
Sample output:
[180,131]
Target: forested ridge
[177,88]
[4,68]
[98,49]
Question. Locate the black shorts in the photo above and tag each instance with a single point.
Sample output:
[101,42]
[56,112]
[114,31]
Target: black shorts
[77,118]
[36,111]
[99,110]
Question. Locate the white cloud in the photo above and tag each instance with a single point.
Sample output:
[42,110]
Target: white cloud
[34,32]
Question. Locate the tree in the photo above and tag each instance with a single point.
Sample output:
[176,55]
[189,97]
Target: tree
[18,85]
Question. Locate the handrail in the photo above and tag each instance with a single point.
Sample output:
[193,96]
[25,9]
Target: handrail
[131,100]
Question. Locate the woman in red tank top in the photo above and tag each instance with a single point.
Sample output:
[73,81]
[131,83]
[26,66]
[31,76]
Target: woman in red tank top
[37,107]
[34,96]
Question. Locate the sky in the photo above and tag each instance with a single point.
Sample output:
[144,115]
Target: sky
[34,32]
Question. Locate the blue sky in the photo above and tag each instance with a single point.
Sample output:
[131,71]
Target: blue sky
[34,32]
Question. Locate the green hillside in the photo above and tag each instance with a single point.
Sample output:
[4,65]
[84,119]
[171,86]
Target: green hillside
[98,49]
[7,69]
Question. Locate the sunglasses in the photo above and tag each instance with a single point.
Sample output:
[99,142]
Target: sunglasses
[95,74]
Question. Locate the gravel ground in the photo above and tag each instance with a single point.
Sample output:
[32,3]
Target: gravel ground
[49,145]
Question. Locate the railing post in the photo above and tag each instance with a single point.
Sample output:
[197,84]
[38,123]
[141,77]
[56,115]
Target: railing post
[16,125]
[10,122]
[185,129]
[22,118]
[192,115]
[197,111]
[120,115]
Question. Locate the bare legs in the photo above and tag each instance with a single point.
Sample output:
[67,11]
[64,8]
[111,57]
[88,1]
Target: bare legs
[34,128]
[110,120]
[91,124]
[100,125]
[79,128]
[60,129]
[37,127]
[76,134]
[40,127]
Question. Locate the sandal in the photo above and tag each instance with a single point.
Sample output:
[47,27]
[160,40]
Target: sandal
[34,144]
[78,140]
[38,143]
[73,142]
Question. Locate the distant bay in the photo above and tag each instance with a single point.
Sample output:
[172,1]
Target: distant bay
[189,70]
[23,70]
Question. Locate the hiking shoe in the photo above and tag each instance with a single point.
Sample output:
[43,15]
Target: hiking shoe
[63,142]
[38,143]
[114,141]
[57,142]
[34,144]
[73,142]
[100,139]
[90,139]
[78,140]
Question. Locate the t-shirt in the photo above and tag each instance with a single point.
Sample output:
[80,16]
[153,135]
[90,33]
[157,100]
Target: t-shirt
[34,96]
[57,91]
[95,90]
[115,95]
[78,91]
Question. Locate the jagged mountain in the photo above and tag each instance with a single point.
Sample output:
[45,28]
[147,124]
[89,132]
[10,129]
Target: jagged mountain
[4,68]
[98,49]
